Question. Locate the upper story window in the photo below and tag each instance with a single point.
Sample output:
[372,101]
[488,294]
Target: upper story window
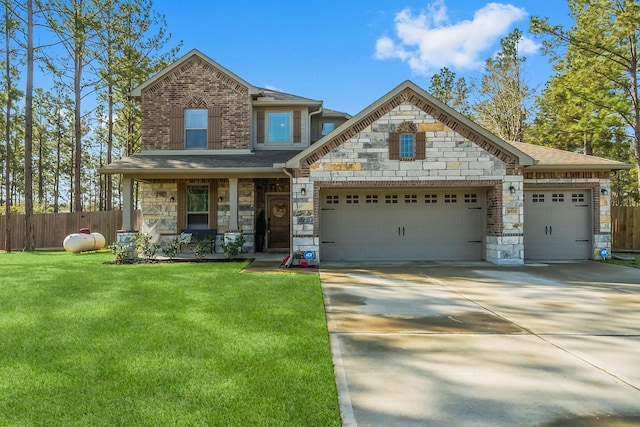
[195,128]
[327,127]
[195,124]
[407,146]
[407,143]
[278,127]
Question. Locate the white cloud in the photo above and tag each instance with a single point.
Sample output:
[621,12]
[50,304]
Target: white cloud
[527,46]
[428,41]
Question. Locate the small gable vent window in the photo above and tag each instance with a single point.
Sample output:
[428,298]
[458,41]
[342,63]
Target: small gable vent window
[407,143]
[407,146]
[195,123]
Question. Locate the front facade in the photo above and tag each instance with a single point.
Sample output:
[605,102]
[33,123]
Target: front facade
[408,178]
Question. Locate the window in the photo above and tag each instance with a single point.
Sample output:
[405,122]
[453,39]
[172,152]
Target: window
[279,127]
[195,124]
[198,207]
[391,199]
[333,200]
[470,198]
[371,198]
[411,198]
[352,199]
[327,127]
[407,146]
[450,198]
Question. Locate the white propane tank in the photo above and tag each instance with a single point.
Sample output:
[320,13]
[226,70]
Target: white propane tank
[81,242]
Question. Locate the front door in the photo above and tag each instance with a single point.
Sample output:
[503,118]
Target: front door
[278,214]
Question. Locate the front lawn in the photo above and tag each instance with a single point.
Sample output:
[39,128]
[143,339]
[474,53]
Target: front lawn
[624,258]
[87,343]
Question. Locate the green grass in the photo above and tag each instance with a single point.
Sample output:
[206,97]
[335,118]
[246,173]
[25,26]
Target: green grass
[84,343]
[635,263]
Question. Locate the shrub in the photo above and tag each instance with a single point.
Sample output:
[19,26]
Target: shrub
[234,247]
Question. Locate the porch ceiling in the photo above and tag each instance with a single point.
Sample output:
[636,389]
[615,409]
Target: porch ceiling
[257,163]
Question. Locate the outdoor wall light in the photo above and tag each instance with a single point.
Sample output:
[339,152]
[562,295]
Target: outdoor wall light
[512,189]
[219,198]
[603,191]
[172,199]
[303,191]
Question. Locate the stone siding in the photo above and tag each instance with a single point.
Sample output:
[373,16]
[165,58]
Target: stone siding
[159,206]
[451,160]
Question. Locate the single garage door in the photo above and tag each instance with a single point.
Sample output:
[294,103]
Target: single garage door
[557,225]
[402,224]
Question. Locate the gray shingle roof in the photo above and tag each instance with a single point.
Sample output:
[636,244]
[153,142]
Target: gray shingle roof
[257,161]
[552,158]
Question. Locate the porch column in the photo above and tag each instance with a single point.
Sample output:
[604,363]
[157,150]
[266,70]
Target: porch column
[233,203]
[127,204]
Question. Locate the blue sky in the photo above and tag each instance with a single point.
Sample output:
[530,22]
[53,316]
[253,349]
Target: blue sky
[348,53]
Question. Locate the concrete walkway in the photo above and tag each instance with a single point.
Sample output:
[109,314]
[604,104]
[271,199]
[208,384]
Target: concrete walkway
[475,344]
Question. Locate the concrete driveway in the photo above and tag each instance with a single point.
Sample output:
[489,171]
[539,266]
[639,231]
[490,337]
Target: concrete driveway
[438,344]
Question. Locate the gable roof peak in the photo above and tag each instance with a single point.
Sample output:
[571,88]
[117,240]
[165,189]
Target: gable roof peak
[408,91]
[137,92]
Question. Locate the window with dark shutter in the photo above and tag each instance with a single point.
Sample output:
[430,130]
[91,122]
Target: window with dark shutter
[297,126]
[394,146]
[214,137]
[196,124]
[421,146]
[260,127]
[176,131]
[407,146]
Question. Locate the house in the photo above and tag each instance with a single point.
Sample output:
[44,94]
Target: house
[407,178]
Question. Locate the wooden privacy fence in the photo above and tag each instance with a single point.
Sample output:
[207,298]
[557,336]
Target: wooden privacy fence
[625,228]
[51,229]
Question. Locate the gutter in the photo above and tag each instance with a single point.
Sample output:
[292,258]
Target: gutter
[290,259]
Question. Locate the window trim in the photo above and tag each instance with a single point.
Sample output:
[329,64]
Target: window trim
[419,146]
[207,205]
[271,132]
[205,113]
[263,131]
[404,140]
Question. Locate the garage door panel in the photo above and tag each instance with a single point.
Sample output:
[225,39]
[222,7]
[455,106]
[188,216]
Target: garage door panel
[402,225]
[558,225]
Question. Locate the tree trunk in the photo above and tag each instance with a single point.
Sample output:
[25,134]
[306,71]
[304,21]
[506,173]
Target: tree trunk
[28,136]
[7,204]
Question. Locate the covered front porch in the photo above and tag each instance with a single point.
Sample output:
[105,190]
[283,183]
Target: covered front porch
[237,192]
[256,208]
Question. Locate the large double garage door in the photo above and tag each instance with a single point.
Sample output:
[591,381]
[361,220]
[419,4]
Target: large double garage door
[402,224]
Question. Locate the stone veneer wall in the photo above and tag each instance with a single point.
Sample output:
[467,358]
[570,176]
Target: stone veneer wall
[246,210]
[196,84]
[451,160]
[156,205]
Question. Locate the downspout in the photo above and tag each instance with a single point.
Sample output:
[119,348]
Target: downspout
[313,114]
[290,259]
